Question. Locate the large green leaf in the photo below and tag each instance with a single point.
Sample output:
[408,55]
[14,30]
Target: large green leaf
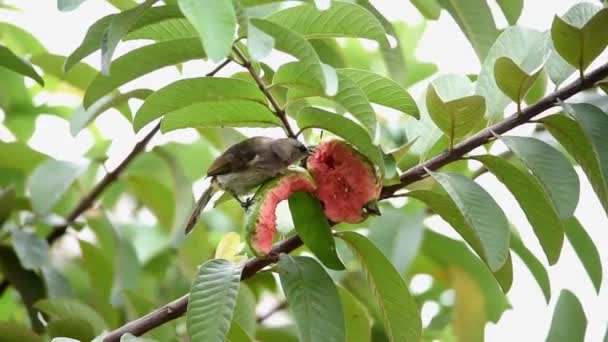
[449,253]
[186,92]
[16,332]
[513,80]
[212,299]
[100,271]
[94,36]
[313,299]
[230,113]
[526,48]
[19,156]
[141,61]
[19,40]
[581,35]
[291,42]
[244,310]
[49,182]
[170,29]
[430,9]
[399,310]
[12,62]
[215,22]
[314,230]
[453,107]
[155,196]
[27,283]
[569,322]
[356,320]
[481,213]
[382,90]
[557,68]
[475,20]
[83,117]
[118,27]
[552,169]
[537,269]
[342,19]
[586,250]
[535,202]
[61,308]
[8,197]
[511,9]
[342,127]
[73,327]
[68,5]
[592,155]
[237,334]
[32,250]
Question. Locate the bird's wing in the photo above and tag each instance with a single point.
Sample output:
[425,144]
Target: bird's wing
[237,158]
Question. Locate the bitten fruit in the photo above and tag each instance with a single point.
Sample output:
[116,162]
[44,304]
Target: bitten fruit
[261,221]
[346,180]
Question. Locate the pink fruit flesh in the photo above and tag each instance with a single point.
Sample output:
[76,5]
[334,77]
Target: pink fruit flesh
[266,226]
[345,181]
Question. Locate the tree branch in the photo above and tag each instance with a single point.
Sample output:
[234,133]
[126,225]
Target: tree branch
[89,199]
[279,111]
[178,307]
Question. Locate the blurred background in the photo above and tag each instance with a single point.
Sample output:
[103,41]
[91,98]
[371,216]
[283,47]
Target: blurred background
[441,43]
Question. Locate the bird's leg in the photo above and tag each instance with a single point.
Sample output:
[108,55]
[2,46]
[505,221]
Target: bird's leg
[244,204]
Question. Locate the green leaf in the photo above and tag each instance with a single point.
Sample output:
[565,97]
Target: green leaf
[291,42]
[19,156]
[526,48]
[569,322]
[16,332]
[49,182]
[83,117]
[237,334]
[169,29]
[19,40]
[356,320]
[481,213]
[228,113]
[118,27]
[330,52]
[512,80]
[27,283]
[71,327]
[212,299]
[552,169]
[32,250]
[80,76]
[342,127]
[342,19]
[538,90]
[123,4]
[593,154]
[215,22]
[314,230]
[558,69]
[399,310]
[476,22]
[8,196]
[68,5]
[99,269]
[535,202]
[382,91]
[61,308]
[449,253]
[511,9]
[533,264]
[95,34]
[184,93]
[581,35]
[430,9]
[259,43]
[409,37]
[244,311]
[142,61]
[12,62]
[313,299]
[155,196]
[453,107]
[586,250]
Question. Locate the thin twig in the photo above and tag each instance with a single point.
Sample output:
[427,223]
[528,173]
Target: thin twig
[280,112]
[89,199]
[279,307]
[178,307]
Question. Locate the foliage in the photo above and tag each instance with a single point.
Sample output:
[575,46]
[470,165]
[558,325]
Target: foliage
[341,282]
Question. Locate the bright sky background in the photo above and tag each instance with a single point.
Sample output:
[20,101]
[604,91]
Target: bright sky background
[442,44]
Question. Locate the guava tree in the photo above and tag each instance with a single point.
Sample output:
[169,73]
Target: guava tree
[358,204]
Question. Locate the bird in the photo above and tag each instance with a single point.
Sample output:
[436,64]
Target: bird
[245,166]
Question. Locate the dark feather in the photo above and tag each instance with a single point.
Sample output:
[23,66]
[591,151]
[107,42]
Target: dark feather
[237,157]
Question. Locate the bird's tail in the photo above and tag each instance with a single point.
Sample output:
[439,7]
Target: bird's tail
[200,205]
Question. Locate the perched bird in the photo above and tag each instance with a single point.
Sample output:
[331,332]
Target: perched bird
[246,165]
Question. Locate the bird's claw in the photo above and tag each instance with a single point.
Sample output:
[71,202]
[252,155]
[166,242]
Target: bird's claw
[247,203]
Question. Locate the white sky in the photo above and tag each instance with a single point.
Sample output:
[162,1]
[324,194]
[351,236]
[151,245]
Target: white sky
[442,44]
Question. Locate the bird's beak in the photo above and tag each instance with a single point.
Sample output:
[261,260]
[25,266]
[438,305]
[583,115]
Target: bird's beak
[311,150]
[372,208]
